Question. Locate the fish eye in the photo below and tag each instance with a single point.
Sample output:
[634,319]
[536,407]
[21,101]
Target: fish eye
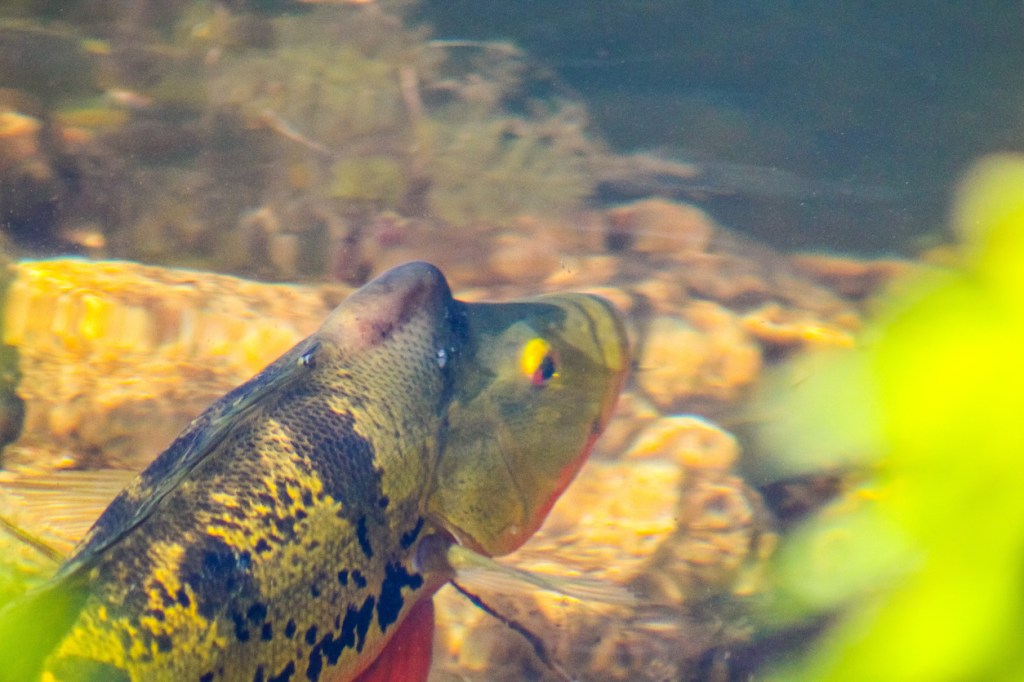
[537,361]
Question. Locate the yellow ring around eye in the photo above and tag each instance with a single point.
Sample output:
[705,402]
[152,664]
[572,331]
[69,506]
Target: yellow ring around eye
[533,355]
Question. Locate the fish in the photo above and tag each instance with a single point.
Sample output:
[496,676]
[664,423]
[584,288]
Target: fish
[298,528]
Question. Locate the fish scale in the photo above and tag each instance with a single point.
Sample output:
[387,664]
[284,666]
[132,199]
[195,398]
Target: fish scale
[279,537]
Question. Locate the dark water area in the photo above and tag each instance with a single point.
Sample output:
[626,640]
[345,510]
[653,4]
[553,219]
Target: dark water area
[840,126]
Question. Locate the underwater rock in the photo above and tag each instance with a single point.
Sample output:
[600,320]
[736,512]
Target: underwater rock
[671,521]
[851,277]
[89,333]
[722,525]
[721,541]
[779,328]
[728,277]
[519,258]
[657,226]
[663,291]
[19,140]
[690,441]
[706,355]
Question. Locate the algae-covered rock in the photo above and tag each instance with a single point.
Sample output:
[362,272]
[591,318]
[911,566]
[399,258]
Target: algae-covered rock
[492,169]
[373,180]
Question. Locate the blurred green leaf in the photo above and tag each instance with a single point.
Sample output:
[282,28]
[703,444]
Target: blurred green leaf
[927,558]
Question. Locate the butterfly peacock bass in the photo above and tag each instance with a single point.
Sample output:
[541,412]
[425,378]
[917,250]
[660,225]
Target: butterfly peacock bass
[296,529]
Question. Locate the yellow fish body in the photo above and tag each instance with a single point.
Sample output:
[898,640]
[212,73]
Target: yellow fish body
[284,534]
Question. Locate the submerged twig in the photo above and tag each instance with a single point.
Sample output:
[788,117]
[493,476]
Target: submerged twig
[539,649]
[19,533]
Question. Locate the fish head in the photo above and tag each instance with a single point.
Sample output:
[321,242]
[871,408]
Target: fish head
[386,350]
[404,317]
[536,383]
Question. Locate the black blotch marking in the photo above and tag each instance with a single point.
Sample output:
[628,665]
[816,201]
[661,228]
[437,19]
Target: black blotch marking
[165,596]
[285,675]
[216,573]
[230,523]
[206,677]
[285,525]
[343,578]
[358,579]
[391,600]
[341,458]
[163,643]
[410,537]
[156,613]
[311,635]
[262,546]
[183,598]
[314,591]
[364,538]
[126,640]
[289,629]
[267,632]
[300,514]
[307,497]
[257,613]
[352,635]
[383,502]
[282,493]
[258,677]
[241,631]
[362,620]
[315,664]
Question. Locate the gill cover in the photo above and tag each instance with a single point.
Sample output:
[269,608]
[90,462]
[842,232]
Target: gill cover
[536,384]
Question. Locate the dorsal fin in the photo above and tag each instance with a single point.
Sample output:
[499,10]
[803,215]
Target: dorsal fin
[144,494]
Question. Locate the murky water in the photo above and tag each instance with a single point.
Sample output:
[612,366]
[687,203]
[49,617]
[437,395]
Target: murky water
[670,158]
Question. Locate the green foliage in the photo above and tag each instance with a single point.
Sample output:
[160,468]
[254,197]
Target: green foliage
[926,558]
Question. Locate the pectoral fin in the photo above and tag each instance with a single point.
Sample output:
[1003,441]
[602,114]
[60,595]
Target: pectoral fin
[483,573]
